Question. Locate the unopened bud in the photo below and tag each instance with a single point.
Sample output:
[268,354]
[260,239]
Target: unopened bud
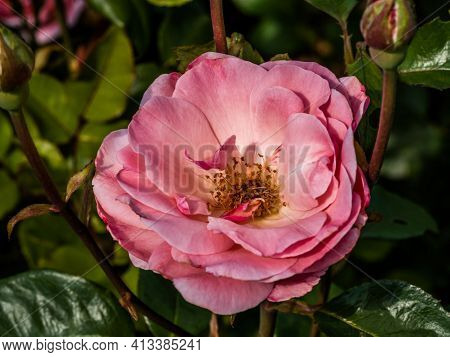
[387,26]
[16,61]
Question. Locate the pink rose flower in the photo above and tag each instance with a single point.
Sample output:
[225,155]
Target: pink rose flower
[47,23]
[236,181]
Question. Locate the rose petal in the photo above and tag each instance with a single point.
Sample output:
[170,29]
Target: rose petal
[161,132]
[242,213]
[313,90]
[191,206]
[186,234]
[221,89]
[268,241]
[221,295]
[359,101]
[294,287]
[162,86]
[236,263]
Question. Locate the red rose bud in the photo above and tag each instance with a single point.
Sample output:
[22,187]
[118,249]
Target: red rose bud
[16,67]
[387,26]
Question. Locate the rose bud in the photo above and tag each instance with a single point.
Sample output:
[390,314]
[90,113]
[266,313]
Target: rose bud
[16,67]
[388,26]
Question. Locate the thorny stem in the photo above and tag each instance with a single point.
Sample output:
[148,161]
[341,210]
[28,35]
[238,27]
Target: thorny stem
[385,124]
[267,319]
[218,25]
[127,298]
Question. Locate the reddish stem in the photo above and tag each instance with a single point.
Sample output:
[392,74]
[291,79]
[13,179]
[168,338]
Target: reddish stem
[385,125]
[218,25]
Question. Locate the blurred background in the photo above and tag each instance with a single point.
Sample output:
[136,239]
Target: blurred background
[140,45]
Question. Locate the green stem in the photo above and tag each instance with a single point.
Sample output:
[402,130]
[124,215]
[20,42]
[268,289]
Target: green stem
[385,124]
[218,25]
[267,319]
[348,51]
[128,299]
[324,292]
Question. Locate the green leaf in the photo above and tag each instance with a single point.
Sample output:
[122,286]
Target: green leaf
[52,107]
[91,137]
[427,60]
[139,28]
[186,54]
[384,308]
[160,295]
[339,9]
[281,57]
[34,210]
[168,2]
[117,11]
[79,179]
[18,164]
[9,193]
[113,60]
[189,25]
[397,217]
[292,325]
[146,73]
[239,47]
[47,242]
[6,134]
[46,303]
[369,74]
[265,7]
[131,15]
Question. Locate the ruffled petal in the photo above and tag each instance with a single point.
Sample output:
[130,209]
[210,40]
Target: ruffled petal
[271,108]
[339,108]
[163,86]
[310,87]
[162,130]
[242,213]
[221,89]
[192,206]
[307,162]
[268,241]
[324,245]
[106,162]
[294,287]
[237,263]
[322,71]
[186,234]
[223,296]
[358,99]
[220,158]
[143,190]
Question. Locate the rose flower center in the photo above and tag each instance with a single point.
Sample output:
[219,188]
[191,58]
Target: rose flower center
[241,182]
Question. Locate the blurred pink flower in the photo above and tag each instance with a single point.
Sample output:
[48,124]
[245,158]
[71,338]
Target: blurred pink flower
[23,15]
[236,181]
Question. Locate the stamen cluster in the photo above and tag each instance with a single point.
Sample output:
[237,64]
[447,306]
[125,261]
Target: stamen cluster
[242,182]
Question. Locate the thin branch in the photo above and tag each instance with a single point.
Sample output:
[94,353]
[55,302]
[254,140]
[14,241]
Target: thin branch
[218,25]
[385,125]
[128,299]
